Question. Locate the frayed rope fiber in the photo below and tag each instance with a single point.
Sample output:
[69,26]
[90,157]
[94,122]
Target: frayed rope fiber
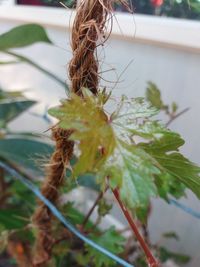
[90,29]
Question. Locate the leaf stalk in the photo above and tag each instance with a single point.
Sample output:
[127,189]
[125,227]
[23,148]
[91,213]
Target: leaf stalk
[152,262]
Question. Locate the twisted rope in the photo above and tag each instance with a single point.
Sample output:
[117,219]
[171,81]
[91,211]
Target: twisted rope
[88,32]
[54,179]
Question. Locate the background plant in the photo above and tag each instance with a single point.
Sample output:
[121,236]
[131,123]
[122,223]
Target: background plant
[186,9]
[169,8]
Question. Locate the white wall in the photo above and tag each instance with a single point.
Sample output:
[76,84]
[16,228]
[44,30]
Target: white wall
[175,69]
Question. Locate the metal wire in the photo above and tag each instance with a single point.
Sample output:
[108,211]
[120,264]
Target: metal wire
[185,208]
[59,216]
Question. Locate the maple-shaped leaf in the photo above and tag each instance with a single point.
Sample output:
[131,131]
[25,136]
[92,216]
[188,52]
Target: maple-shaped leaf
[129,116]
[181,169]
[176,170]
[134,152]
[168,185]
[110,240]
[129,111]
[158,140]
[90,128]
[153,95]
[132,170]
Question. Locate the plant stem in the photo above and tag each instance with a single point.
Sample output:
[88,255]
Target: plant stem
[174,117]
[2,182]
[4,194]
[35,65]
[152,262]
[93,207]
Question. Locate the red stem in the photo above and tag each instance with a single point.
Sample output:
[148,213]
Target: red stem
[152,262]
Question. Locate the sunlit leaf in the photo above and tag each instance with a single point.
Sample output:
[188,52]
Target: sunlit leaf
[131,109]
[128,148]
[91,128]
[130,117]
[136,170]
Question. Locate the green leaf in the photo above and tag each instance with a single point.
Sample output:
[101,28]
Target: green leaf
[130,116]
[23,35]
[129,110]
[176,169]
[12,219]
[135,153]
[177,257]
[9,62]
[182,170]
[153,95]
[6,95]
[95,135]
[25,152]
[161,139]
[142,214]
[20,195]
[172,235]
[174,107]
[166,184]
[136,170]
[103,207]
[88,180]
[74,215]
[10,109]
[174,165]
[110,240]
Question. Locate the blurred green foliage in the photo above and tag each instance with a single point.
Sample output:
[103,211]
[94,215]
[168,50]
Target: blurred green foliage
[23,149]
